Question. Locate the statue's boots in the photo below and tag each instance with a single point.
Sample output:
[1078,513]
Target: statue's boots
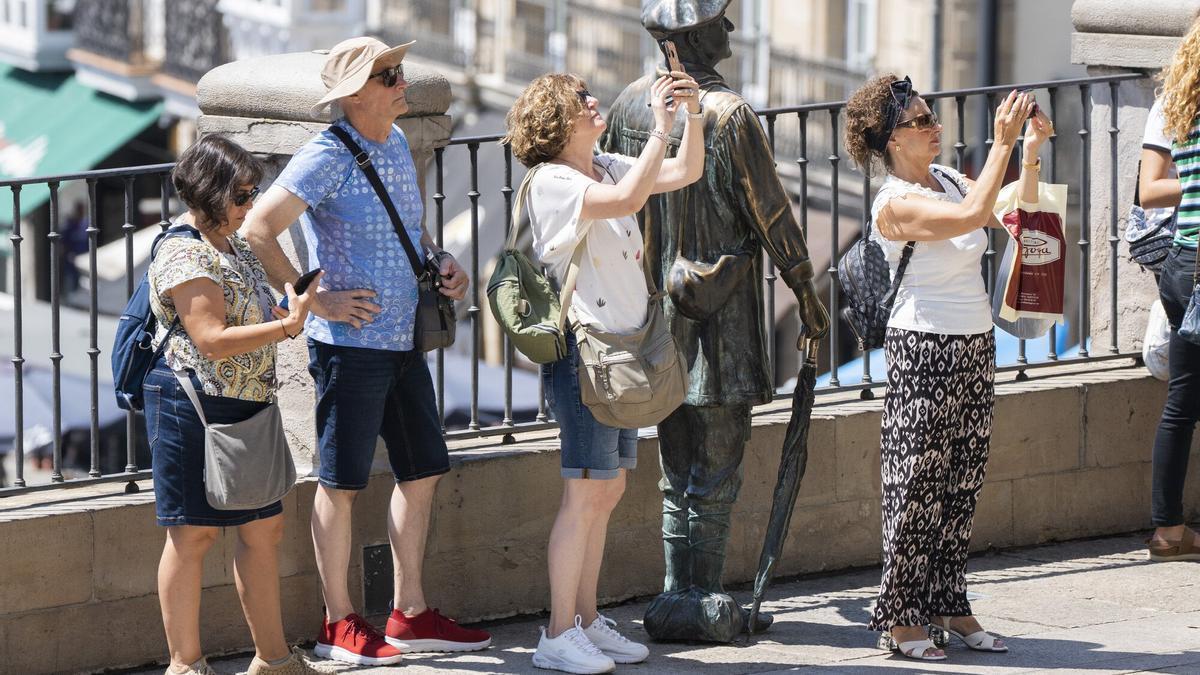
[695,606]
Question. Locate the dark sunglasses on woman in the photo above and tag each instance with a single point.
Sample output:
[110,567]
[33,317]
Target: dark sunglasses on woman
[241,198]
[389,76]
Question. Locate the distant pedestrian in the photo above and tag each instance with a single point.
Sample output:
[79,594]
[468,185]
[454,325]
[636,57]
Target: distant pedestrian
[1180,118]
[226,345]
[370,379]
[941,353]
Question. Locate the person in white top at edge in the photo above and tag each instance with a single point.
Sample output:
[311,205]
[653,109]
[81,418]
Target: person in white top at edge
[555,122]
[941,353]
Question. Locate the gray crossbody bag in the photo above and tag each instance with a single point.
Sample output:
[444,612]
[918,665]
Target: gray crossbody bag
[247,464]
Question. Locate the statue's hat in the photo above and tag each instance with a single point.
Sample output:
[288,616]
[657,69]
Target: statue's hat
[664,17]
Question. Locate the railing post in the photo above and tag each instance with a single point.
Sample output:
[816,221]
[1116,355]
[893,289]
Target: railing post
[55,237]
[18,358]
[834,160]
[1085,176]
[93,231]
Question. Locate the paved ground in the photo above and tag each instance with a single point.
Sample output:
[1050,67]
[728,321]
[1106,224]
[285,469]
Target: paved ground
[1092,607]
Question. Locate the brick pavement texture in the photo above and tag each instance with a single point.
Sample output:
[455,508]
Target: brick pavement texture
[1094,606]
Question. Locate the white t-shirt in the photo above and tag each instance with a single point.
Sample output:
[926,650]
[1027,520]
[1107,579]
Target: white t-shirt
[1156,135]
[942,290]
[610,292]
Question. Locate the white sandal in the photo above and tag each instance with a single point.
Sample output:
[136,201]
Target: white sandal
[980,641]
[913,649]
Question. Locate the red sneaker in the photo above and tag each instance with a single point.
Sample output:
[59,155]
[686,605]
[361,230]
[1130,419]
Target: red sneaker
[429,631]
[355,640]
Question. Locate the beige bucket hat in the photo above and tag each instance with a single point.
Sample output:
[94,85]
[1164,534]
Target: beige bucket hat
[350,63]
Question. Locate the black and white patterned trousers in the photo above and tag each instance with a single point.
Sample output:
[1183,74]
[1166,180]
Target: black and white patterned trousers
[937,420]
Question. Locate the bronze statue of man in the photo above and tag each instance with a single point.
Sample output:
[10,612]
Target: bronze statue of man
[704,244]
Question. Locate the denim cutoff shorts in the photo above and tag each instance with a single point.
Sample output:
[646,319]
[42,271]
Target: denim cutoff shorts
[363,394]
[176,438]
[589,448]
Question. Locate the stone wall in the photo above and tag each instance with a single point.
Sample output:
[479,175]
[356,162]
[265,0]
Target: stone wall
[1070,458]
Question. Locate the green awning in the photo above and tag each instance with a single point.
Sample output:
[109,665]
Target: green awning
[52,124]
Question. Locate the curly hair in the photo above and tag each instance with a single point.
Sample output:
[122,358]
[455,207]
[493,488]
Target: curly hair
[209,173]
[1181,86]
[865,112]
[542,119]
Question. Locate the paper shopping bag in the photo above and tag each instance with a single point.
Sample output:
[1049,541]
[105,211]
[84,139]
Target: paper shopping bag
[1028,295]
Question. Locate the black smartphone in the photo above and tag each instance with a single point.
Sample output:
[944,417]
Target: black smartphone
[301,285]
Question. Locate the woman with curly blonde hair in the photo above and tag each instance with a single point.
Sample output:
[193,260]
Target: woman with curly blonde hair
[941,354]
[578,198]
[1180,105]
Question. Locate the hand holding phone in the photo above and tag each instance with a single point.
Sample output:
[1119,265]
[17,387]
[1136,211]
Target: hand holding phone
[301,285]
[674,66]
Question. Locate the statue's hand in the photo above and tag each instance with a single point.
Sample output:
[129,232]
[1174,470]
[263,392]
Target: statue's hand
[812,311]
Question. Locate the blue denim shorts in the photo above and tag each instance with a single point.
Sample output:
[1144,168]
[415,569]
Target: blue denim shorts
[363,394]
[176,438]
[589,448]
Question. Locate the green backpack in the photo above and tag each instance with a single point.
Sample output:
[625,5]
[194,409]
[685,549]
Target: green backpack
[522,300]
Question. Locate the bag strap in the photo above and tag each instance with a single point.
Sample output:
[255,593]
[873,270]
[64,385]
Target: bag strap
[173,231]
[363,160]
[186,382]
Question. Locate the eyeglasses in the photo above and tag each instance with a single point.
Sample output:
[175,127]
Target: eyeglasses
[927,120]
[241,198]
[389,76]
[584,95]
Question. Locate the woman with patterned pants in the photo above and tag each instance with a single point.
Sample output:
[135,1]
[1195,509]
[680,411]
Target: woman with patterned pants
[941,353]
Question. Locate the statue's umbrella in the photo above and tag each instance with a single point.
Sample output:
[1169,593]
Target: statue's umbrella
[792,462]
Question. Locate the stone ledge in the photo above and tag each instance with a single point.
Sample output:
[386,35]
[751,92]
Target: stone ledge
[1070,458]
[1134,17]
[1148,52]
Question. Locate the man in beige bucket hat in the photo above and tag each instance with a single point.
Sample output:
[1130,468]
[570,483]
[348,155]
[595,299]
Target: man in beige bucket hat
[370,381]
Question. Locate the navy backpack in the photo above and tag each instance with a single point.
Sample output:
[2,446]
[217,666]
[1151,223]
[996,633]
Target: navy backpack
[133,353]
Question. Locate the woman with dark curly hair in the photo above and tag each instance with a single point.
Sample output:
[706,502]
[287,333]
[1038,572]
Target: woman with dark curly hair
[578,198]
[937,417]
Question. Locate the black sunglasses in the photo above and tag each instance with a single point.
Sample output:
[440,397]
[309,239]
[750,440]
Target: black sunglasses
[241,198]
[389,76]
[584,95]
[927,120]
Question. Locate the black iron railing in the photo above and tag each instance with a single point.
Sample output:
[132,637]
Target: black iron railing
[814,132]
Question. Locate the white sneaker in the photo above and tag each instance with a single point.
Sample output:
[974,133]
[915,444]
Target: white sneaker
[571,652]
[603,633]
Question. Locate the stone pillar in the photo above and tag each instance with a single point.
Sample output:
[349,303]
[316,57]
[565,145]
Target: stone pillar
[263,104]
[1112,37]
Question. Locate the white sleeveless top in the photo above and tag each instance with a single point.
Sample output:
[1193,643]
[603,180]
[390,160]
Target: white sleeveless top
[942,290]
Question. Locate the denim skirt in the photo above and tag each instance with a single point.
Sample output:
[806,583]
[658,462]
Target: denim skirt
[176,438]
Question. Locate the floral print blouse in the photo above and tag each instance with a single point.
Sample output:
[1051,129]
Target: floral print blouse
[248,300]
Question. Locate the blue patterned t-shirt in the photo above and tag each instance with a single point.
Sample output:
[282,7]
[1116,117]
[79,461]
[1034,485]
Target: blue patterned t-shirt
[349,234]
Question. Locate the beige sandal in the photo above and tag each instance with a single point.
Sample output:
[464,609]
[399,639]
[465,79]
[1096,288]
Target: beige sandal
[913,649]
[980,640]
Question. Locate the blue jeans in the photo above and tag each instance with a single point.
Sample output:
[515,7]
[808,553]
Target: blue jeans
[1173,441]
[176,438]
[363,394]
[589,448]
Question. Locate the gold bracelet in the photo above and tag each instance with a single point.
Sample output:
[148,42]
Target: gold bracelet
[1036,166]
